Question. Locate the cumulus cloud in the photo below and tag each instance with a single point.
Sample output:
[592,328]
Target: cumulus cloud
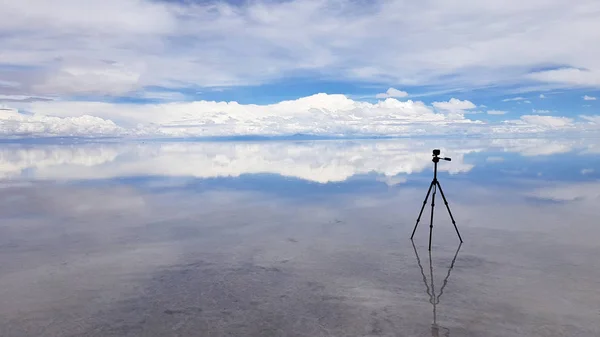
[13,123]
[496,112]
[542,96]
[391,92]
[454,105]
[589,98]
[319,114]
[133,44]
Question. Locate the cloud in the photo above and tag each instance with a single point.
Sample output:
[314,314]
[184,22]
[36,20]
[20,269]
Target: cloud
[391,92]
[549,121]
[569,76]
[540,111]
[589,98]
[528,102]
[513,99]
[587,171]
[535,124]
[130,45]
[496,112]
[454,105]
[23,98]
[13,123]
[542,96]
[319,114]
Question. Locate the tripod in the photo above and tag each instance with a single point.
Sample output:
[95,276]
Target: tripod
[435,184]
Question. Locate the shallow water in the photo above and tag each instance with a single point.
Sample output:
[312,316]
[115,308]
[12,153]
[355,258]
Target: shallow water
[299,239]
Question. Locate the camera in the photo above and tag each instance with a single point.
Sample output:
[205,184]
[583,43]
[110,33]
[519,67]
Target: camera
[436,152]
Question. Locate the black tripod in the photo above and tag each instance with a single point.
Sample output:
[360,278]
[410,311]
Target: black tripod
[435,184]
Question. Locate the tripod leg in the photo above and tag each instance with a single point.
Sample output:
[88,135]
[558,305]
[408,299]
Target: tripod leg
[431,221]
[449,212]
[422,208]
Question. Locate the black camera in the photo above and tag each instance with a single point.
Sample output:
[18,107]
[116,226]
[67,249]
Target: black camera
[436,152]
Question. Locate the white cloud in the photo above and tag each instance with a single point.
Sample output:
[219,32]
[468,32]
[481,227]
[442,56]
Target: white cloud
[569,76]
[319,114]
[131,44]
[587,171]
[513,99]
[549,121]
[589,98]
[542,96]
[13,123]
[454,105]
[528,102]
[532,124]
[391,92]
[496,112]
[540,111]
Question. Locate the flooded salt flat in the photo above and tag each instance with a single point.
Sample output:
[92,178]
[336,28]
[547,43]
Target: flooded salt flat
[299,239]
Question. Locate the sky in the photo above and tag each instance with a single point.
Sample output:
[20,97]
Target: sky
[201,68]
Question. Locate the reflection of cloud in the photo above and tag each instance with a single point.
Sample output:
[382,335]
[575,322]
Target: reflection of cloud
[536,147]
[493,159]
[316,161]
[570,192]
[15,160]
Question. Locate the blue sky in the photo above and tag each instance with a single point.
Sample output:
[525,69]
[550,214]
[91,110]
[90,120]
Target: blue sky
[221,68]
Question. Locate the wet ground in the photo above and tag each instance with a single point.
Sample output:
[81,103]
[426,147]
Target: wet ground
[299,239]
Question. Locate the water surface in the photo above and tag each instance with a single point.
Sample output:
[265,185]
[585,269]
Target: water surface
[299,238]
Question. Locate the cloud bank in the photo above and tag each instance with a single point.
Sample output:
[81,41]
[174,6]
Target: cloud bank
[320,114]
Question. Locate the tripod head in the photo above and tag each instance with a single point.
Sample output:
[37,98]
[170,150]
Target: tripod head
[436,159]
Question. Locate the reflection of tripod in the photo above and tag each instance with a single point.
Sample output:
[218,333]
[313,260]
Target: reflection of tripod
[433,299]
[435,184]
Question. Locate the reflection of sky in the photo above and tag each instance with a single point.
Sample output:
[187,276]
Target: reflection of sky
[309,229]
[390,162]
